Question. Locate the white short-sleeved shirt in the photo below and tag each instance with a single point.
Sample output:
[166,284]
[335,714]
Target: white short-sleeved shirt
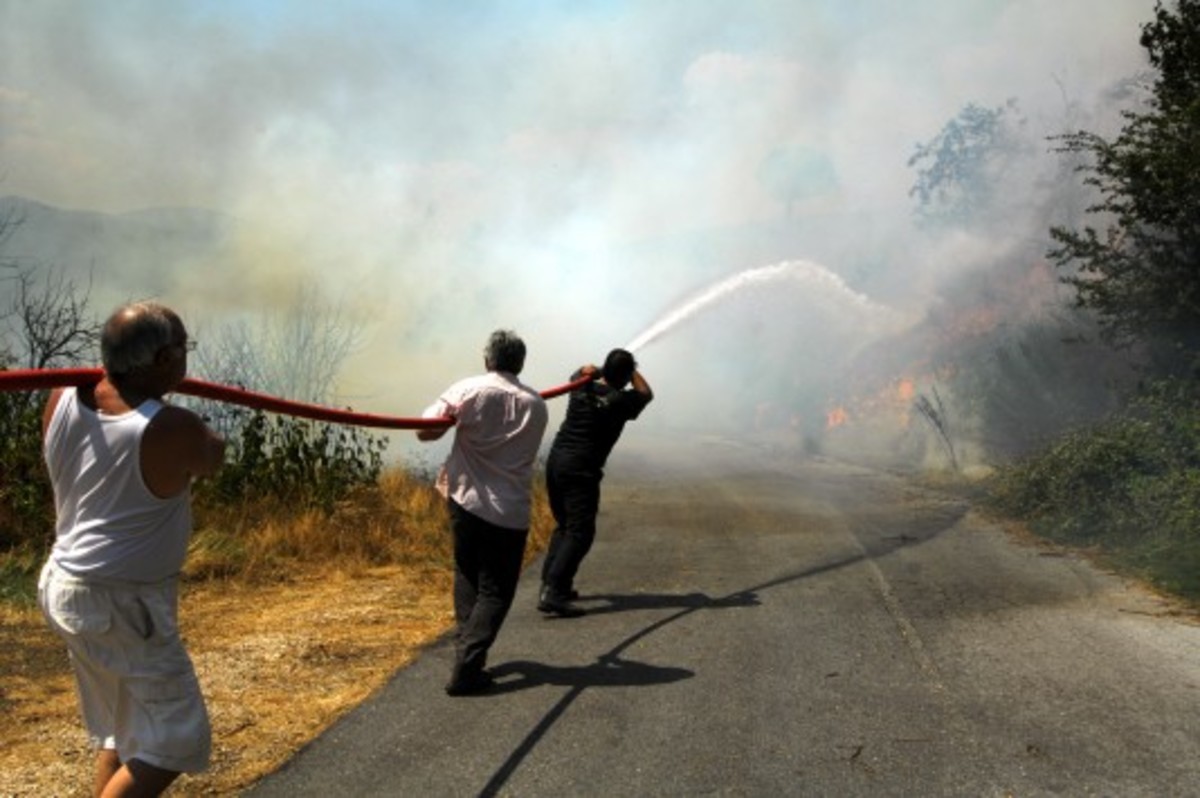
[499,424]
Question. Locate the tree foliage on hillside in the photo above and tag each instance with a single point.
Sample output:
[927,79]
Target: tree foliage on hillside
[1016,364]
[960,171]
[1140,269]
[1129,487]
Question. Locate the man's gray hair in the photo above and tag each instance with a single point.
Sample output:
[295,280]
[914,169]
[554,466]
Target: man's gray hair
[505,351]
[134,334]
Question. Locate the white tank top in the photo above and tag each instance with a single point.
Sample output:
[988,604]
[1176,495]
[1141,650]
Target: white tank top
[110,525]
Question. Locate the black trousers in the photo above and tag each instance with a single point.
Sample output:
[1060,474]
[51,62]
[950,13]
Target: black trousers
[574,501]
[487,565]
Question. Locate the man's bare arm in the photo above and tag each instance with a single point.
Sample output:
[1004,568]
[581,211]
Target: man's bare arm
[178,447]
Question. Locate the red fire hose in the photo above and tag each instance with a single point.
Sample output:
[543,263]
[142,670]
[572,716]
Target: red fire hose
[40,379]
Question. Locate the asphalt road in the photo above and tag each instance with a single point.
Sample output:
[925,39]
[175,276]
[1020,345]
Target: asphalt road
[767,626]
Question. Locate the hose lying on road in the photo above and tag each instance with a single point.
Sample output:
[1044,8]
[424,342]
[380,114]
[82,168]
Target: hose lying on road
[40,379]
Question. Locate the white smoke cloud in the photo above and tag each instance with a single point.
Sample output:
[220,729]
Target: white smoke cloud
[569,172]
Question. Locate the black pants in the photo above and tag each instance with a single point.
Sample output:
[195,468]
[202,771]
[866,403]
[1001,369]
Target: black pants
[487,565]
[574,500]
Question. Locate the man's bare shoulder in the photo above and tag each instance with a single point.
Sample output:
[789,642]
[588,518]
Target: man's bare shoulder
[178,446]
[175,420]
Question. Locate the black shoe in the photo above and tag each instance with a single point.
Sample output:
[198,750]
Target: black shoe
[470,685]
[555,606]
[572,594]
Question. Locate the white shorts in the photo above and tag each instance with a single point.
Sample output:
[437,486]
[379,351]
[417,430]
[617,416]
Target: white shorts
[137,688]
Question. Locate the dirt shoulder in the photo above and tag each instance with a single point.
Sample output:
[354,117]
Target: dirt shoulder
[277,664]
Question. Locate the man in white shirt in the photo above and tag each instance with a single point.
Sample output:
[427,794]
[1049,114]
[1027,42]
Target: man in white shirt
[499,423]
[121,460]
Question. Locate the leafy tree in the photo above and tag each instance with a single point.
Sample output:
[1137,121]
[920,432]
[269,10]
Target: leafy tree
[1026,384]
[960,171]
[1140,271]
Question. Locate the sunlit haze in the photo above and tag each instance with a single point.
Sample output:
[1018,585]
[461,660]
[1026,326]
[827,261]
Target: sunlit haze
[574,171]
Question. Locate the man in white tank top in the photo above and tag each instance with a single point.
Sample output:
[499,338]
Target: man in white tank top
[121,461]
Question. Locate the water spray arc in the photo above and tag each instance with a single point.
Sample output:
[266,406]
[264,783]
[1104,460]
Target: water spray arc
[802,271]
[41,379]
[805,272]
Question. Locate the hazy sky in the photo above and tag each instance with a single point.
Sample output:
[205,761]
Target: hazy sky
[560,168]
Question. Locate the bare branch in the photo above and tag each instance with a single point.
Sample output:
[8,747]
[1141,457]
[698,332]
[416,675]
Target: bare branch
[48,320]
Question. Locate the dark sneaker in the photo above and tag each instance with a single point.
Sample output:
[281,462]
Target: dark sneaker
[552,605]
[470,685]
[572,594]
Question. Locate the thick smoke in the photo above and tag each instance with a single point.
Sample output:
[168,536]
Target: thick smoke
[575,173]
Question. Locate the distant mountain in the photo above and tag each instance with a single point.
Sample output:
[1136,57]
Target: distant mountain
[126,255]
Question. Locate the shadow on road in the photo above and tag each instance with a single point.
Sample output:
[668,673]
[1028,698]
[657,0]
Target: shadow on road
[664,601]
[607,672]
[911,532]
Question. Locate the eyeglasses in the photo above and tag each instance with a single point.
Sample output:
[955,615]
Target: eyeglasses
[188,345]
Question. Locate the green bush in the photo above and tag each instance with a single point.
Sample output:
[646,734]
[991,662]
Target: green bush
[19,569]
[1129,486]
[271,461]
[302,463]
[26,499]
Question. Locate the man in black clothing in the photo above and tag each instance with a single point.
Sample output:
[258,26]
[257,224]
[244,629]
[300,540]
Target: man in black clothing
[596,416]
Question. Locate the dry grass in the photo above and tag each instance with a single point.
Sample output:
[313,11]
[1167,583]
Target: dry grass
[402,520]
[290,624]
